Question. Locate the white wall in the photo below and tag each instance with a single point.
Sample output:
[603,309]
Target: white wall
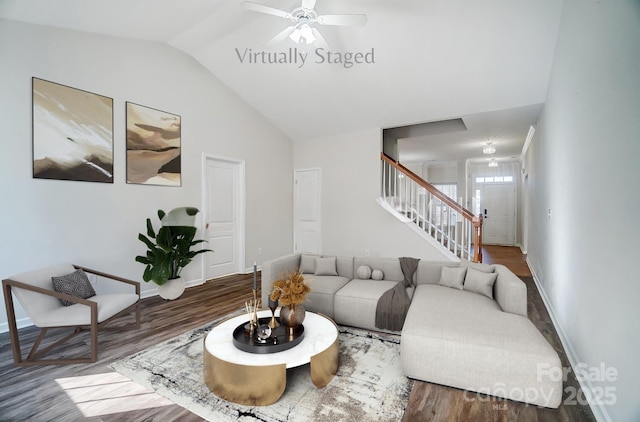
[352,221]
[47,221]
[582,168]
[443,173]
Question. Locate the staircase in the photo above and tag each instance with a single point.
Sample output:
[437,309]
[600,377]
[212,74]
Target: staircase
[429,212]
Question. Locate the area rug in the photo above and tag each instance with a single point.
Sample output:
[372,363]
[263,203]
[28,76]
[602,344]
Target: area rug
[369,385]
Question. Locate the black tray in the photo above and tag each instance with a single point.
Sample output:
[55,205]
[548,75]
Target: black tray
[280,339]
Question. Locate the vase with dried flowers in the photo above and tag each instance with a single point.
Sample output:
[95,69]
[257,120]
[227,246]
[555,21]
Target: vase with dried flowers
[290,291]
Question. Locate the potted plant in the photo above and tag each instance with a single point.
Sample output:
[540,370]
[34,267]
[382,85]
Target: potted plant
[170,250]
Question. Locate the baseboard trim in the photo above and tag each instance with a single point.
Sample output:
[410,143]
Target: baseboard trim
[599,410]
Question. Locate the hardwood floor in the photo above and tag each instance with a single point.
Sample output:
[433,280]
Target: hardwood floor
[94,392]
[509,256]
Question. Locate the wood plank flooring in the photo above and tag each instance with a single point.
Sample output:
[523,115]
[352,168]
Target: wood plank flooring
[94,392]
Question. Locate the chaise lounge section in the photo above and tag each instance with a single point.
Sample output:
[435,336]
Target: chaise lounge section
[467,325]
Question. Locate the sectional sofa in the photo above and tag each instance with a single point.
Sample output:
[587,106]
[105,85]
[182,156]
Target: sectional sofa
[466,327]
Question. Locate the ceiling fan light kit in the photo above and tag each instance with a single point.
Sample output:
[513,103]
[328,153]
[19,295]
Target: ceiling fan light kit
[304,17]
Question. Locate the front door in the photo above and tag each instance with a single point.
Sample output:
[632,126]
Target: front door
[224,216]
[498,207]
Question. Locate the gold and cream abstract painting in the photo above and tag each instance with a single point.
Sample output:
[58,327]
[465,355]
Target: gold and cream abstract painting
[153,146]
[72,134]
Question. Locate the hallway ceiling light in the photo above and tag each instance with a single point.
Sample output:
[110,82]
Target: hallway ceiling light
[493,163]
[489,149]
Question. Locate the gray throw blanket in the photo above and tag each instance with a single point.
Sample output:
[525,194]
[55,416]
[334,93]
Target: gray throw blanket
[394,303]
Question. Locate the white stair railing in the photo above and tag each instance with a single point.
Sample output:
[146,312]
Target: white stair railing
[415,201]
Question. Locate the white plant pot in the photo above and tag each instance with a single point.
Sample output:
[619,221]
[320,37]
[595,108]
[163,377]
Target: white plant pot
[172,289]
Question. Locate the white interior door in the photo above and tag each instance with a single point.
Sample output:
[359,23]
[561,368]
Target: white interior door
[306,212]
[498,207]
[224,216]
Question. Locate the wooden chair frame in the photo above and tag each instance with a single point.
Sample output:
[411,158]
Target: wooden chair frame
[94,327]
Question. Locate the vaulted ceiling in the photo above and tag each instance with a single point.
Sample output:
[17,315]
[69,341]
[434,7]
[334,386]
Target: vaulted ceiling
[485,61]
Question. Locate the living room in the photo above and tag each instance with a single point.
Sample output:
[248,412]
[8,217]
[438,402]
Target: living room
[583,154]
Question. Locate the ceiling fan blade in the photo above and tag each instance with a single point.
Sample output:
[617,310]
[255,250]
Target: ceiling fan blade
[308,4]
[343,20]
[319,41]
[265,9]
[281,36]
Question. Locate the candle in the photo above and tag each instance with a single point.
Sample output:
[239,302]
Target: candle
[255,276]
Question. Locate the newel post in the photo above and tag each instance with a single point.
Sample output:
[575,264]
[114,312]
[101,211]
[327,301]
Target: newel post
[477,239]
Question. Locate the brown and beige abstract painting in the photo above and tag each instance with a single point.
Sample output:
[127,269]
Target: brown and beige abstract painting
[72,134]
[153,146]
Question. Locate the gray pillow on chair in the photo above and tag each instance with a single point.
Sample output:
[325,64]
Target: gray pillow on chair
[75,284]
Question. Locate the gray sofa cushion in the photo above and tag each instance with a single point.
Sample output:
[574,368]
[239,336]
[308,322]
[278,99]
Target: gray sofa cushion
[464,340]
[308,263]
[356,302]
[485,268]
[510,292]
[326,266]
[323,289]
[344,265]
[479,282]
[429,271]
[452,277]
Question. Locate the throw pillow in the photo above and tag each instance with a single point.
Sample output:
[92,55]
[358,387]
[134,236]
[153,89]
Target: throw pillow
[480,282]
[452,277]
[485,268]
[75,284]
[363,272]
[308,264]
[377,274]
[326,266]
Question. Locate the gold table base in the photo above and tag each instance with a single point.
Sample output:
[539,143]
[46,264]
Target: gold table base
[263,385]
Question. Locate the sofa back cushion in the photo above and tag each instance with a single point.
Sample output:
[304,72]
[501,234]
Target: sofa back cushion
[390,267]
[308,263]
[485,268]
[429,271]
[344,265]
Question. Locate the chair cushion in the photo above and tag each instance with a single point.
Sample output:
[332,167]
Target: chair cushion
[75,284]
[37,305]
[78,314]
[47,311]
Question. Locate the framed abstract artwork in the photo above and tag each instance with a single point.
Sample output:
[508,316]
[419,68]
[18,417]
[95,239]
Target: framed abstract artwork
[72,133]
[153,146]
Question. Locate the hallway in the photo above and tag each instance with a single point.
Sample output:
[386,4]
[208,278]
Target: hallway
[509,256]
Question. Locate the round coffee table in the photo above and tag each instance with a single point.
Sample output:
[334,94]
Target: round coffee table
[259,379]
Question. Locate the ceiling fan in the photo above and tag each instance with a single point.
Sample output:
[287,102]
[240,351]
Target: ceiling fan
[304,17]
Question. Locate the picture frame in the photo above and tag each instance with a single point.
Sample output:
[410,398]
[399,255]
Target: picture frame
[72,133]
[153,146]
